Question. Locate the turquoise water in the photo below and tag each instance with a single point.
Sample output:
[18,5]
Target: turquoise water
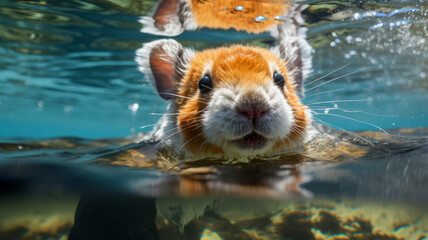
[68,69]
[68,75]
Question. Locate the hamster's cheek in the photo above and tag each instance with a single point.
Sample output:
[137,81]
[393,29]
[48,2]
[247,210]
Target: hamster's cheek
[274,125]
[225,125]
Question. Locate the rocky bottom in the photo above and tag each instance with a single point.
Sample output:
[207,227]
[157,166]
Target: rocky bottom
[332,220]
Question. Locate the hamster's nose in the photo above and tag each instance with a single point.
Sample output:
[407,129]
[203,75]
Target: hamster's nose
[252,113]
[252,105]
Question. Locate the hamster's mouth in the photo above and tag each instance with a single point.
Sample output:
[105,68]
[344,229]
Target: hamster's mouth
[251,141]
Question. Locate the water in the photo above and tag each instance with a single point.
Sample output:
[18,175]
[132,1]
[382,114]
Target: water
[72,102]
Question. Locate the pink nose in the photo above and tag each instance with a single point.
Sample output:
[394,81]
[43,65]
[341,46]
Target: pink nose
[253,114]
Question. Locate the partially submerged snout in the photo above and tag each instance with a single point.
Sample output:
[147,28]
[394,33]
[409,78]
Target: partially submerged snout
[248,120]
[253,107]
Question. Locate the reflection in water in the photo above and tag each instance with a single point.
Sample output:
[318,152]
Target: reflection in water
[206,199]
[114,217]
[172,17]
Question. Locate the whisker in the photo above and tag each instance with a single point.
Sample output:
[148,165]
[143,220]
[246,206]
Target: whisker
[177,132]
[338,101]
[335,79]
[289,141]
[201,147]
[353,111]
[335,90]
[197,135]
[180,96]
[330,114]
[184,125]
[161,114]
[175,95]
[174,114]
[348,132]
[299,131]
[309,83]
[150,125]
[285,152]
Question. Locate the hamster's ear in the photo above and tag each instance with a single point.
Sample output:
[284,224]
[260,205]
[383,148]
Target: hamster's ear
[169,18]
[292,46]
[165,12]
[164,63]
[164,20]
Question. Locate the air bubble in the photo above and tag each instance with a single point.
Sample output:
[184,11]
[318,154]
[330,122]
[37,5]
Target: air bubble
[239,8]
[133,107]
[68,109]
[280,18]
[40,104]
[259,18]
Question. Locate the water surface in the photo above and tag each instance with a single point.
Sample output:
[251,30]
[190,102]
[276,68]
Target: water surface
[72,102]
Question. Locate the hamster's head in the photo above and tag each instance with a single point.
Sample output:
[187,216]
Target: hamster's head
[236,101]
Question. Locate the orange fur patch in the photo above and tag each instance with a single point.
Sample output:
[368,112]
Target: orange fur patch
[222,14]
[233,66]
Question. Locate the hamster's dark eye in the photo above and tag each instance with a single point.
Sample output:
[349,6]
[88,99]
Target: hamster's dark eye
[279,80]
[205,84]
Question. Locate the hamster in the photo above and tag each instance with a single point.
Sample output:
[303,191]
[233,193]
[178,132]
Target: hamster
[233,102]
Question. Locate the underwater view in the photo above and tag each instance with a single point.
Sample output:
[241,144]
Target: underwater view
[213,119]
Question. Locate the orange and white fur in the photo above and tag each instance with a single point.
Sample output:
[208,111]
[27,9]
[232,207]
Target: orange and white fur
[244,111]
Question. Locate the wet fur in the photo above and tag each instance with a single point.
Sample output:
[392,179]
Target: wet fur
[202,123]
[207,120]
